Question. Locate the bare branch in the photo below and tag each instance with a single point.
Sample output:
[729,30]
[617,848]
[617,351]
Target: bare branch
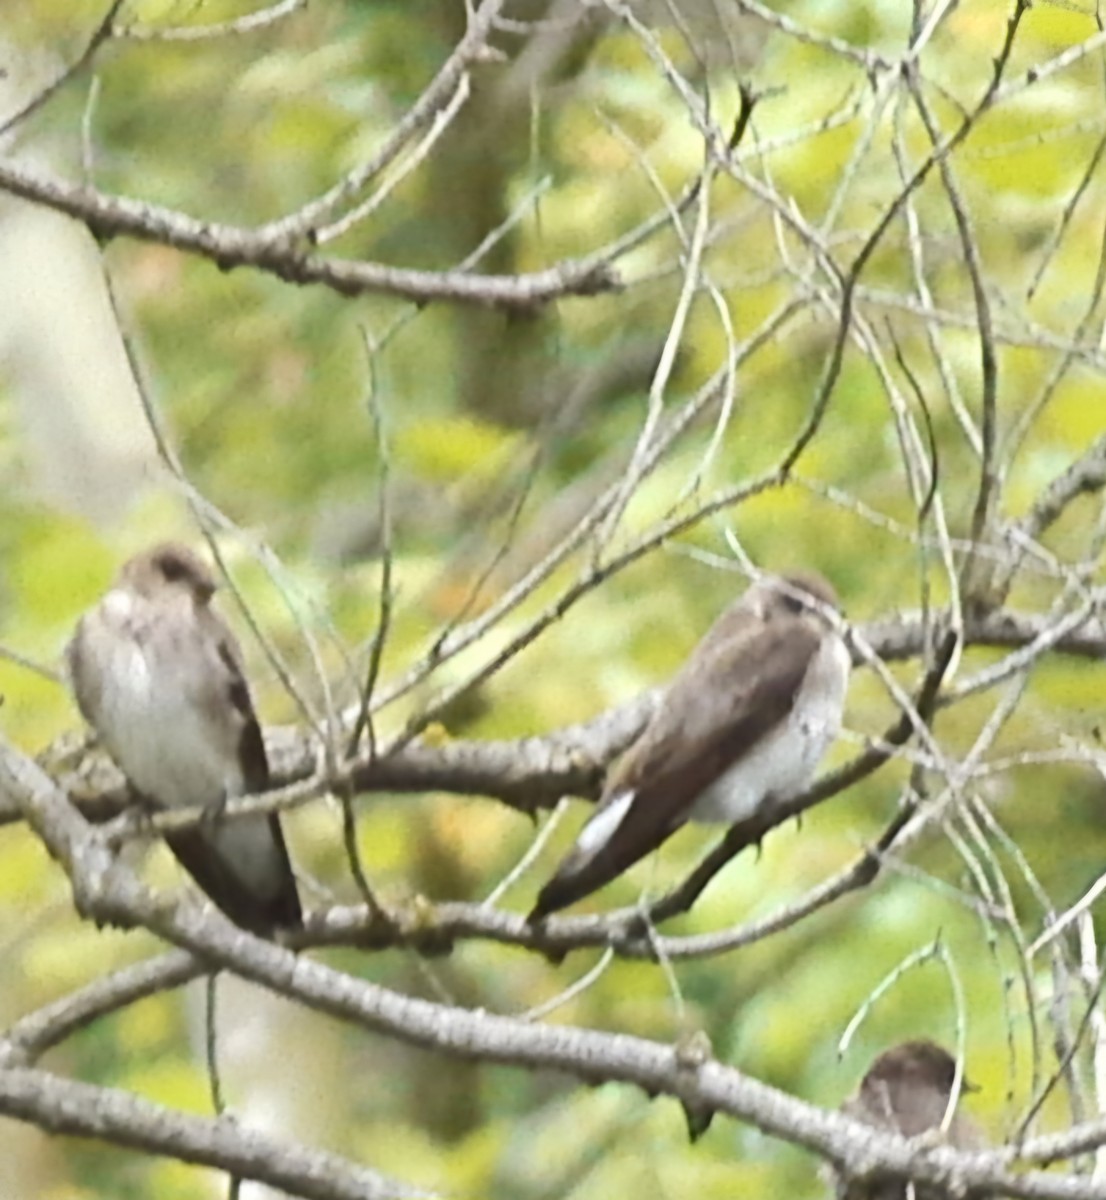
[230,246]
[101,34]
[109,1115]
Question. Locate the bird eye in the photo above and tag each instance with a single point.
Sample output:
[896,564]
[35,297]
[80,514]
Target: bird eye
[172,568]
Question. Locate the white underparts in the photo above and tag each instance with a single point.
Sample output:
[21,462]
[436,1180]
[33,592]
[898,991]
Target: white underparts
[598,831]
[783,762]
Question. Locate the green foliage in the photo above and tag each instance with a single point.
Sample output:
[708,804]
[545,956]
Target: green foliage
[264,390]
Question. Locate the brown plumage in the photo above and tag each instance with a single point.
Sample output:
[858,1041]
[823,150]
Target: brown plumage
[159,676]
[906,1090]
[742,725]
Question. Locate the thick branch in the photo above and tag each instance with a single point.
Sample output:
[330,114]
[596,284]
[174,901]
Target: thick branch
[31,1036]
[108,891]
[233,246]
[79,1109]
[528,774]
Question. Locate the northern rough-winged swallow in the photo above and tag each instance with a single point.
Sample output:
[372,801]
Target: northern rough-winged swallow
[159,676]
[742,726]
[906,1091]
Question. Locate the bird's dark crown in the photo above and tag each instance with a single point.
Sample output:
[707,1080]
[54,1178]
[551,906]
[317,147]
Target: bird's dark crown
[790,590]
[921,1060]
[169,563]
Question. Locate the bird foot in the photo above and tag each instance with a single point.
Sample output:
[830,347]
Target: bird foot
[132,823]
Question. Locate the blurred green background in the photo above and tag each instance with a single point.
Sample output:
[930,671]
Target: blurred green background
[501,430]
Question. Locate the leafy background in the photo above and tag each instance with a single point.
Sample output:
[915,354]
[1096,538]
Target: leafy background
[499,429]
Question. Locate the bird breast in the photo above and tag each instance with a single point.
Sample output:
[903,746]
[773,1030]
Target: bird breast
[783,762]
[156,716]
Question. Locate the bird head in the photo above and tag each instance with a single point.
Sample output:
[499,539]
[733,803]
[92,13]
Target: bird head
[169,565]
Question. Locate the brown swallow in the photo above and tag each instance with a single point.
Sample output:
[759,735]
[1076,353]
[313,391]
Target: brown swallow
[907,1091]
[740,728]
[159,677]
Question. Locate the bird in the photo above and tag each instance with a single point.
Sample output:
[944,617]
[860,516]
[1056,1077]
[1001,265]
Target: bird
[158,676]
[740,729]
[906,1090]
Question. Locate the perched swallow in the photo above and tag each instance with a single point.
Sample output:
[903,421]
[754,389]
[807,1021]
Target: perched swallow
[158,676]
[907,1091]
[740,728]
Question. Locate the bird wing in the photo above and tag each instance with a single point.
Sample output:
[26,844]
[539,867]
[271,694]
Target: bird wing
[85,690]
[691,740]
[228,682]
[242,865]
[211,856]
[202,855]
